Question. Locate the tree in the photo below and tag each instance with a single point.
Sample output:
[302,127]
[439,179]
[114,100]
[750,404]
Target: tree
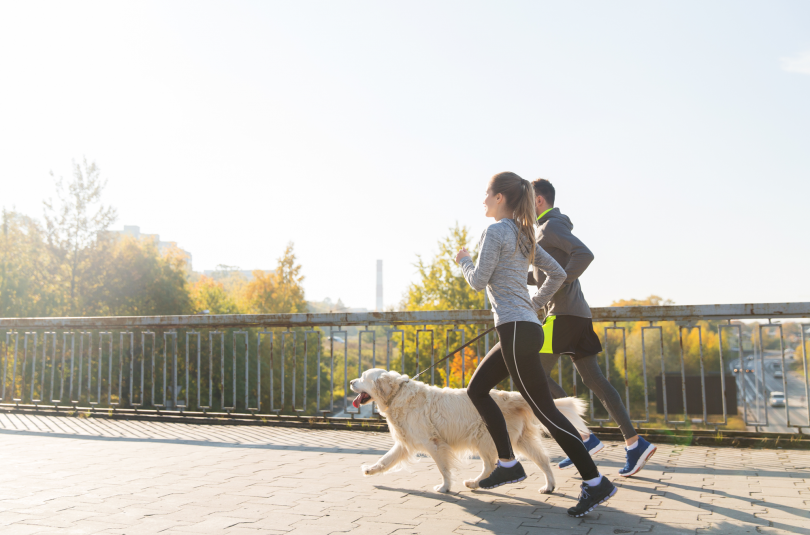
[231,279]
[134,278]
[653,300]
[442,285]
[289,292]
[74,226]
[279,292]
[208,294]
[25,287]
[259,293]
[700,339]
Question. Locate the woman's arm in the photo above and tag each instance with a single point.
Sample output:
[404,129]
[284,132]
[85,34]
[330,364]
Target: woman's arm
[555,277]
[478,275]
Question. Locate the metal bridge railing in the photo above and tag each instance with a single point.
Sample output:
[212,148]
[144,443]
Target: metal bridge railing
[704,365]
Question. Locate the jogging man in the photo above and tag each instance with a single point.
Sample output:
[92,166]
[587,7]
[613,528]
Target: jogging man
[568,327]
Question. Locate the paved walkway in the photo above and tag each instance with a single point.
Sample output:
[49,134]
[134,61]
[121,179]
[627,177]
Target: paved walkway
[83,476]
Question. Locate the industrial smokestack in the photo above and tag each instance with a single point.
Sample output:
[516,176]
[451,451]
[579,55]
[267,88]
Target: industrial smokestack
[379,286]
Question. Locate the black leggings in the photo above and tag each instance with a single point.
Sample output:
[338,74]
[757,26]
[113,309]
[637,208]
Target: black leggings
[517,355]
[593,378]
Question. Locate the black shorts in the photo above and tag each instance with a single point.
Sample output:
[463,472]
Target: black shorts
[570,335]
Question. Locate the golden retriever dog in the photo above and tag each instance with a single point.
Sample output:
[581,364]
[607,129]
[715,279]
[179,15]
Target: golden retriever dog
[443,423]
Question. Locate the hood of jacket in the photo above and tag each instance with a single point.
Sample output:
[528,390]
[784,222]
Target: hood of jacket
[558,216]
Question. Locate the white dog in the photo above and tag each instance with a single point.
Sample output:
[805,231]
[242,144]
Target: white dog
[443,423]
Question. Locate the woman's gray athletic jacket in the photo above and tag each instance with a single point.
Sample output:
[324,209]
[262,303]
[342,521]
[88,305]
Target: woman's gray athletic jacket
[554,235]
[501,269]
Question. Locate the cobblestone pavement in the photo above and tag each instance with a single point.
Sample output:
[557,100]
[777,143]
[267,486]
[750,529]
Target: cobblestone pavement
[79,475]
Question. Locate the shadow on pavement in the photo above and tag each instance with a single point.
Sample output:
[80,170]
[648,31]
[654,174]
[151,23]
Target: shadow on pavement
[729,512]
[500,511]
[215,444]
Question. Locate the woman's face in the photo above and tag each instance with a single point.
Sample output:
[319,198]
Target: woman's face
[491,203]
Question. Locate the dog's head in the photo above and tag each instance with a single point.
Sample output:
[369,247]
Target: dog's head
[376,385]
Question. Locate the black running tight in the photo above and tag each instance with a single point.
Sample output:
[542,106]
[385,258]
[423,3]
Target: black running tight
[517,355]
[595,380]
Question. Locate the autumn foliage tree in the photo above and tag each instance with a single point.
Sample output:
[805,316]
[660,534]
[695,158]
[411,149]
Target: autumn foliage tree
[441,286]
[210,296]
[281,291]
[652,300]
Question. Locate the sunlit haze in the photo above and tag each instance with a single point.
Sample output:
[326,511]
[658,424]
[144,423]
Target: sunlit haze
[677,134]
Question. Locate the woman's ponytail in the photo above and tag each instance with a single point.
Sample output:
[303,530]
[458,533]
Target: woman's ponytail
[519,195]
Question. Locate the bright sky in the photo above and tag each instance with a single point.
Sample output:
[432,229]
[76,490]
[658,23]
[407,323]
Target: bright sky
[677,133]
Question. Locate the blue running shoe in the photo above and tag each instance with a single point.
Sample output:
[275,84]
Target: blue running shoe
[594,446]
[637,457]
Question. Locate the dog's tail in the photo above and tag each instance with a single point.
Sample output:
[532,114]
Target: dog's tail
[573,409]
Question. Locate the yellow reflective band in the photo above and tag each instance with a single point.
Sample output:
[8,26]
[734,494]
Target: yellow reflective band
[544,213]
[548,335]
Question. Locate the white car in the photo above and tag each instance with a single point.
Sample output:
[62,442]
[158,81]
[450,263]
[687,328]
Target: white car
[777,399]
[778,373]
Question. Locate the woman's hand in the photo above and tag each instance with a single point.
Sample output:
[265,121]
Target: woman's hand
[461,254]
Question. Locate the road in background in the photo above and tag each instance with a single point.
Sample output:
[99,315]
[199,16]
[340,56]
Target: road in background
[755,394]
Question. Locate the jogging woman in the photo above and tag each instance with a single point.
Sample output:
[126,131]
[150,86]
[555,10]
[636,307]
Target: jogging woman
[506,248]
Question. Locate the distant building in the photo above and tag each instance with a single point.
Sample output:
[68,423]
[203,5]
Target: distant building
[163,246]
[246,273]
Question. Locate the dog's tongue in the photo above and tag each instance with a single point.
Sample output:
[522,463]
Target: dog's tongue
[356,402]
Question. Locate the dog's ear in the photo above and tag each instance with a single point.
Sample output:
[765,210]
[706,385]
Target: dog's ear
[384,385]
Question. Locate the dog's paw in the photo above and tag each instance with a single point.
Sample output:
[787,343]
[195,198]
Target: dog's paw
[442,488]
[370,470]
[547,489]
[471,483]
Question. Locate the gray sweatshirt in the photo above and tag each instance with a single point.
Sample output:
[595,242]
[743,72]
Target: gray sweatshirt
[554,235]
[502,271]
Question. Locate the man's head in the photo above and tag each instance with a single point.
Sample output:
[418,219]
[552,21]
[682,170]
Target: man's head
[544,195]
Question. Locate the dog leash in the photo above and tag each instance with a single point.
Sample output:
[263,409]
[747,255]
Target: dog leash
[453,352]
